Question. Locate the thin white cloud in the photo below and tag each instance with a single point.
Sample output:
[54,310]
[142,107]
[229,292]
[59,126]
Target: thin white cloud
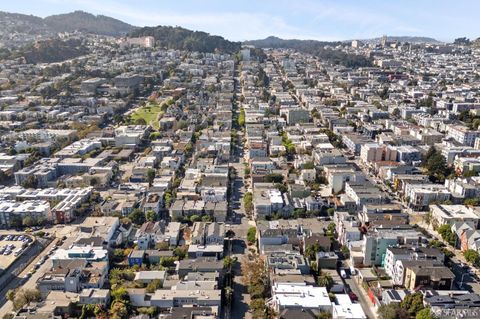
[236,26]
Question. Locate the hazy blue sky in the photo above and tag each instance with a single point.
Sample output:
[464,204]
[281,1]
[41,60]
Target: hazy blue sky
[304,19]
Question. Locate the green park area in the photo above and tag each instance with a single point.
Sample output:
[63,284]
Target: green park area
[151,113]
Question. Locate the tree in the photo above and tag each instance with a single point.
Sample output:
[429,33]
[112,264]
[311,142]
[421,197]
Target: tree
[324,315]
[257,305]
[28,221]
[189,147]
[472,201]
[251,235]
[168,198]
[248,202]
[287,143]
[431,151]
[10,295]
[312,250]
[195,218]
[228,262]
[391,311]
[150,176]
[118,254]
[207,218]
[436,165]
[180,252]
[153,285]
[167,261]
[274,178]
[331,229]
[254,276]
[325,280]
[30,182]
[120,294]
[150,311]
[446,233]
[472,256]
[140,121]
[281,187]
[345,251]
[330,211]
[425,313]
[412,303]
[241,117]
[26,296]
[151,216]
[119,310]
[462,41]
[32,295]
[137,216]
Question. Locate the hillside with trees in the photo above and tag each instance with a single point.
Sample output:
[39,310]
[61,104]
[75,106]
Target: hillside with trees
[320,49]
[21,29]
[182,39]
[50,51]
[87,22]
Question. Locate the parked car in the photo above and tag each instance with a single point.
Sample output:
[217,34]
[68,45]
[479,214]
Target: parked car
[353,296]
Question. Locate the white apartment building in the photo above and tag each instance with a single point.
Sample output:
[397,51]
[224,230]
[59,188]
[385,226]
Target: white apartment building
[13,212]
[299,296]
[462,134]
[452,214]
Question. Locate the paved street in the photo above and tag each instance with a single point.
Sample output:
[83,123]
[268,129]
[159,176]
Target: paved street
[7,305]
[241,297]
[363,299]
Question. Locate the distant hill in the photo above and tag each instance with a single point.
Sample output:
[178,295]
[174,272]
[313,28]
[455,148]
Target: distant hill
[182,39]
[87,22]
[404,39]
[321,49]
[20,29]
[276,43]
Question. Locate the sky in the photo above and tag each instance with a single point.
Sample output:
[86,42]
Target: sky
[241,20]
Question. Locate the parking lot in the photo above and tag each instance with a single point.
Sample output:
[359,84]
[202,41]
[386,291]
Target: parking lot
[12,246]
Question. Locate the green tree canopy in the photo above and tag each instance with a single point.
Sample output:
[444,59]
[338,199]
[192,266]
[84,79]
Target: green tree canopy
[251,235]
[137,216]
[412,303]
[425,313]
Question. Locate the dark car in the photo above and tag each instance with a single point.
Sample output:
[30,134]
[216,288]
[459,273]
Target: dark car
[353,296]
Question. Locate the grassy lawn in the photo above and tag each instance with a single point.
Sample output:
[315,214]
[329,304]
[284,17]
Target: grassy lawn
[149,113]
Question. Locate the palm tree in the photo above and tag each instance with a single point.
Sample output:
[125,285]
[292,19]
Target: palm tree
[325,280]
[228,262]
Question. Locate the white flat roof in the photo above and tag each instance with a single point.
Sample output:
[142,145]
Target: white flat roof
[351,311]
[300,295]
